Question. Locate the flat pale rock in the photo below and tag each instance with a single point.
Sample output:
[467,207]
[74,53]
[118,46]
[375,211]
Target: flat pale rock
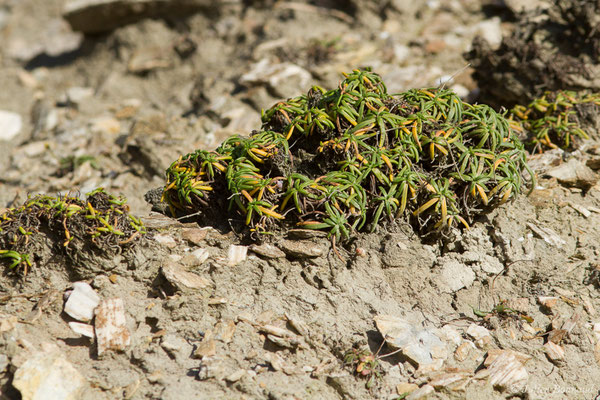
[267,250]
[82,329]
[52,38]
[416,343]
[454,276]
[574,173]
[81,302]
[96,16]
[284,78]
[477,332]
[110,326]
[184,280]
[165,240]
[492,354]
[207,348]
[236,254]
[450,379]
[194,235]
[156,220]
[507,373]
[48,375]
[10,125]
[549,236]
[555,353]
[301,248]
[8,323]
[518,6]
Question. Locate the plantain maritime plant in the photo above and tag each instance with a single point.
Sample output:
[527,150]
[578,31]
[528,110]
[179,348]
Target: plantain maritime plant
[555,119]
[350,158]
[102,220]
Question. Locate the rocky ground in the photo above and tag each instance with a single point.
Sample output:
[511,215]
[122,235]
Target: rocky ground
[505,309]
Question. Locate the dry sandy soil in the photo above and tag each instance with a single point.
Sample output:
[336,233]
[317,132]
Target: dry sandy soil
[115,109]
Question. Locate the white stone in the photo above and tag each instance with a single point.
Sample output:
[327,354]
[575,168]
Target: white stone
[477,332]
[491,31]
[580,209]
[110,326]
[236,254]
[236,376]
[555,353]
[48,376]
[518,6]
[549,236]
[451,334]
[34,149]
[267,250]
[182,279]
[451,379]
[460,90]
[595,329]
[165,240]
[200,255]
[507,373]
[281,77]
[52,120]
[492,354]
[429,369]
[10,125]
[82,329]
[454,276]
[175,257]
[81,302]
[548,301]
[8,322]
[77,94]
[52,38]
[418,344]
[574,173]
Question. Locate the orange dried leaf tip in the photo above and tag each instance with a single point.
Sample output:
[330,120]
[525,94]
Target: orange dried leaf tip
[247,195]
[425,206]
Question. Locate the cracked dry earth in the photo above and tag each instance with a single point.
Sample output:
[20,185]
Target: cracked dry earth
[509,308]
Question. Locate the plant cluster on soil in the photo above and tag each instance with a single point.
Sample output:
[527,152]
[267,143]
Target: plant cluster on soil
[556,119]
[364,364]
[349,158]
[102,221]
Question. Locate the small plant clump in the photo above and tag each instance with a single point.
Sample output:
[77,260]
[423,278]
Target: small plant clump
[555,119]
[347,159]
[364,364]
[102,219]
[502,310]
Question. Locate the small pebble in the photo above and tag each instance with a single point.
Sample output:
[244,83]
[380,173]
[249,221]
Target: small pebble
[10,125]
[82,302]
[236,254]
